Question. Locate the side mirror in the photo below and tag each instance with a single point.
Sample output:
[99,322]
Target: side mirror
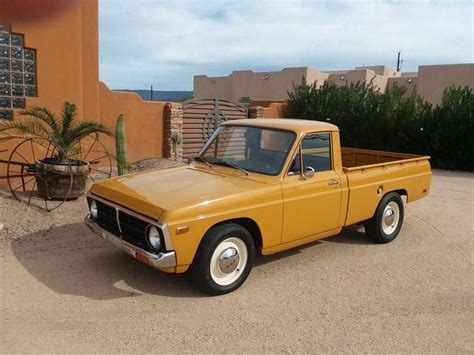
[308,172]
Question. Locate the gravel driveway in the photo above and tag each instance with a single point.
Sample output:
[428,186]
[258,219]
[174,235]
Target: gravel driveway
[65,290]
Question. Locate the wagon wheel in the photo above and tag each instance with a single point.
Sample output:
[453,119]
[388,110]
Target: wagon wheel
[26,182]
[94,152]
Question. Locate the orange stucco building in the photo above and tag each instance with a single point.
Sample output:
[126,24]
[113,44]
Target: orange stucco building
[64,43]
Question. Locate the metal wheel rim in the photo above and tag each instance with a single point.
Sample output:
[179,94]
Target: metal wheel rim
[96,147]
[226,276]
[30,196]
[390,217]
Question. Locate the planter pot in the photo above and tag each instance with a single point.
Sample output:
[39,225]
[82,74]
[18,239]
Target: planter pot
[53,178]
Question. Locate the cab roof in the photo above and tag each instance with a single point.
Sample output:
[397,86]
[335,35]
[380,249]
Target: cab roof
[289,124]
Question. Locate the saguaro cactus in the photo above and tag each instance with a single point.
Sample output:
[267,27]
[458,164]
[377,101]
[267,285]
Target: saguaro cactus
[121,146]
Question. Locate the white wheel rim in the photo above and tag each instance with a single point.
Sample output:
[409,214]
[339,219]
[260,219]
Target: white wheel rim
[390,218]
[228,261]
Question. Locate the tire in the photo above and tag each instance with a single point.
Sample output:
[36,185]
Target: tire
[224,259]
[387,220]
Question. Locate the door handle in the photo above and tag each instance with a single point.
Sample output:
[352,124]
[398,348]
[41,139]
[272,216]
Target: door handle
[334,182]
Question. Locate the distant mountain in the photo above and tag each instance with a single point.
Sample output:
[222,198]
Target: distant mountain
[161,95]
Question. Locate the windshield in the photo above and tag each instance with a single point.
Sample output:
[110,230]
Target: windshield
[256,149]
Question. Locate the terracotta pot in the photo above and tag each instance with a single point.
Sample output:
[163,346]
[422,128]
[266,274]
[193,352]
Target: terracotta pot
[53,179]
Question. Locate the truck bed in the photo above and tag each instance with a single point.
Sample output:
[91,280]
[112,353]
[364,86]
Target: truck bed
[368,170]
[355,158]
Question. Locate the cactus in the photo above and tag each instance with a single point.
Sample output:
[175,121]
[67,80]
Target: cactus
[121,146]
[176,139]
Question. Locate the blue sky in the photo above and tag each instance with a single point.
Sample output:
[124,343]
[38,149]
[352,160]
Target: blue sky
[166,43]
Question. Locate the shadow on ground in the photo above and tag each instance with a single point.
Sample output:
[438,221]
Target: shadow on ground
[351,235]
[71,260]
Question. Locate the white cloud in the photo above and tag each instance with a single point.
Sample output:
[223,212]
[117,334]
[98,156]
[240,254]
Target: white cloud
[165,43]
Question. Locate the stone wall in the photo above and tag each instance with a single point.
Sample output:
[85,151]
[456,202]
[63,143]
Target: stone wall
[173,128]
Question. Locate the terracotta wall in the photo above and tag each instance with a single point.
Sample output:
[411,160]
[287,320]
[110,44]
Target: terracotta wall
[66,43]
[143,121]
[65,70]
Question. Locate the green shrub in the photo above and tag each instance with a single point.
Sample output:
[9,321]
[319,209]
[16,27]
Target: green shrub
[392,120]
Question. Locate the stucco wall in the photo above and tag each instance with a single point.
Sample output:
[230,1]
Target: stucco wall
[383,70]
[359,75]
[433,79]
[66,65]
[217,87]
[271,109]
[261,85]
[143,121]
[315,76]
[66,43]
[429,81]
[408,82]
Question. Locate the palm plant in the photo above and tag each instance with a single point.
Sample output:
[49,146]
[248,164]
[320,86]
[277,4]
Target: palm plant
[64,133]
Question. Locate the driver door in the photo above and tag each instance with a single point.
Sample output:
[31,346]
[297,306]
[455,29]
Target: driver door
[311,205]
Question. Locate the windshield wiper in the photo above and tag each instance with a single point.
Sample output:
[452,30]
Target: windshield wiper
[198,157]
[226,163]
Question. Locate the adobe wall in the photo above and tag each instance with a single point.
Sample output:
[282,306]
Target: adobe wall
[262,85]
[65,70]
[359,75]
[143,122]
[67,67]
[407,82]
[433,79]
[429,82]
[267,109]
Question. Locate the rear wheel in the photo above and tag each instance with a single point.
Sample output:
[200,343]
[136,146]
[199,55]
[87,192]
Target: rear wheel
[224,259]
[388,219]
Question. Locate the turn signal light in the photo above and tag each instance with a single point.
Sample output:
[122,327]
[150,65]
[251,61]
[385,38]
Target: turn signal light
[182,230]
[142,258]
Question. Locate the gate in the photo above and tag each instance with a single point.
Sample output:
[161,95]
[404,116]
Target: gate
[202,117]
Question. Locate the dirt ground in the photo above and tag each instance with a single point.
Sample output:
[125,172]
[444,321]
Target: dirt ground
[65,290]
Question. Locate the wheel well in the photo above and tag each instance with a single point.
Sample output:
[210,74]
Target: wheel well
[402,192]
[248,224]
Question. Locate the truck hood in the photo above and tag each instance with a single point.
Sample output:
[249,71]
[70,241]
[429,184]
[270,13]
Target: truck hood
[153,192]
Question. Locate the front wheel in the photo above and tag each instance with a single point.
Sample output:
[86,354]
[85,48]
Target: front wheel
[224,259]
[387,220]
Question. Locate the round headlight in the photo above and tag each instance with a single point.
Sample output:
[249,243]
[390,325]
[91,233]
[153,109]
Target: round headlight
[153,237]
[93,209]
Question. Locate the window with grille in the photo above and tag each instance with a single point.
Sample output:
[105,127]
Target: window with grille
[17,72]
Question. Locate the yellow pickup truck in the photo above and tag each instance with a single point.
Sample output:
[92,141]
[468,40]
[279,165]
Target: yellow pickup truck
[257,185]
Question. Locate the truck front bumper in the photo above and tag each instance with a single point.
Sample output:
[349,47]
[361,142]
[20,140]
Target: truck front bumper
[160,260]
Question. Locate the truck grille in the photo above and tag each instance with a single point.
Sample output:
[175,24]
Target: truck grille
[133,228]
[107,218]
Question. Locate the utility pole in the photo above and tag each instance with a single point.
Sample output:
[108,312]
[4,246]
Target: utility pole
[399,61]
[151,93]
